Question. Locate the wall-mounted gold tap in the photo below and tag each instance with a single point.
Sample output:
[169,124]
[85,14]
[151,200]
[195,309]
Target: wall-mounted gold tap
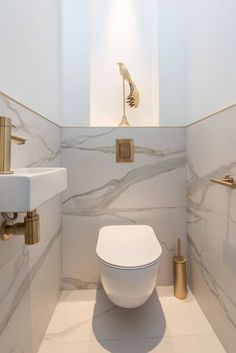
[6,138]
[30,228]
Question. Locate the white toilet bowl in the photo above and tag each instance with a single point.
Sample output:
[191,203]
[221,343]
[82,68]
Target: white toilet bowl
[129,259]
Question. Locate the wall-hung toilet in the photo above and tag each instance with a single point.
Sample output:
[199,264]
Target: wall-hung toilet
[129,257]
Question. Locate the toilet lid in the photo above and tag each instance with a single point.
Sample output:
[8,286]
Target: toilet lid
[128,246]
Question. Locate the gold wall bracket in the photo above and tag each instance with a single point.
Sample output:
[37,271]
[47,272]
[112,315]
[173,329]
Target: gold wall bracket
[228,180]
[30,228]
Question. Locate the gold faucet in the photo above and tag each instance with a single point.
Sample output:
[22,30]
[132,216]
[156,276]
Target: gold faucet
[6,138]
[30,228]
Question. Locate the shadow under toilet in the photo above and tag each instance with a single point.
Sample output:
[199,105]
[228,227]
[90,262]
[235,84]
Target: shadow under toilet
[136,330]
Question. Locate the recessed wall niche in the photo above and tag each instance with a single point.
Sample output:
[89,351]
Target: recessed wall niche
[96,36]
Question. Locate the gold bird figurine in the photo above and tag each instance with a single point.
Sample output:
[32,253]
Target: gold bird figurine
[133,98]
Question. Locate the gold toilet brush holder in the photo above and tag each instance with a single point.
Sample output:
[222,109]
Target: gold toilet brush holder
[179,272]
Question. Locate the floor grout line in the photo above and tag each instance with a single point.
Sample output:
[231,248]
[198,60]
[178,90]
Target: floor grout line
[129,338]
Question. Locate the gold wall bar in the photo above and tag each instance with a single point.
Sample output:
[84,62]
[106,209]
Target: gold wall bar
[226,181]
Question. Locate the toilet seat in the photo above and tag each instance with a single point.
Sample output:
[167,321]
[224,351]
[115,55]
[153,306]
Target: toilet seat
[128,267]
[128,246]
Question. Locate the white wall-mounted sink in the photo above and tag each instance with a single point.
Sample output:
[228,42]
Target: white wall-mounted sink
[29,188]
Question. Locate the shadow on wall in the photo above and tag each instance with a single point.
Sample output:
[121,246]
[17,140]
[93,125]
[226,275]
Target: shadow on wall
[122,330]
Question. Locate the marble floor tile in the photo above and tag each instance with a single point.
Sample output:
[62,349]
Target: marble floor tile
[78,318]
[180,344]
[86,321]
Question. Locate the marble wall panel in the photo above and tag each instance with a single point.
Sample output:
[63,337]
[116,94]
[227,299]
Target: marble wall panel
[211,240]
[30,276]
[102,192]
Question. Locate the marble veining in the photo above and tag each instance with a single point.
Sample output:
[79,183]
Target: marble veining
[52,337]
[24,270]
[216,289]
[21,259]
[211,242]
[27,282]
[78,141]
[102,192]
[75,283]
[30,128]
[114,188]
[93,325]
[139,192]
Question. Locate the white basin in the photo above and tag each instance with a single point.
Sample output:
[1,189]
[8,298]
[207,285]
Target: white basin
[29,188]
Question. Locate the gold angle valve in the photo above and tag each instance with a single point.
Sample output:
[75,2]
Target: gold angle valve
[30,228]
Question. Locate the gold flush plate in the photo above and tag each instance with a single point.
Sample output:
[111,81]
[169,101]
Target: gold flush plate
[124,150]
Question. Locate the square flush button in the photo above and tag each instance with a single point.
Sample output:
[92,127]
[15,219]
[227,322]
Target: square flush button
[124,150]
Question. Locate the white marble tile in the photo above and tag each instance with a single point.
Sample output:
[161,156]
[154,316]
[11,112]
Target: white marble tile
[16,273]
[34,304]
[82,233]
[89,315]
[101,192]
[211,221]
[30,276]
[42,147]
[85,321]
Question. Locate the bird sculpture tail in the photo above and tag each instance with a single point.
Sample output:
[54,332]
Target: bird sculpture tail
[133,98]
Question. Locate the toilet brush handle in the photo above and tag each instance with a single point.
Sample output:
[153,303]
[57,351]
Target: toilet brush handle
[179,248]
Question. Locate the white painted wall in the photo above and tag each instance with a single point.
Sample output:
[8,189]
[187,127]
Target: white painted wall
[75,63]
[29,59]
[186,45]
[95,36]
[211,57]
[173,61]
[123,31]
[197,59]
